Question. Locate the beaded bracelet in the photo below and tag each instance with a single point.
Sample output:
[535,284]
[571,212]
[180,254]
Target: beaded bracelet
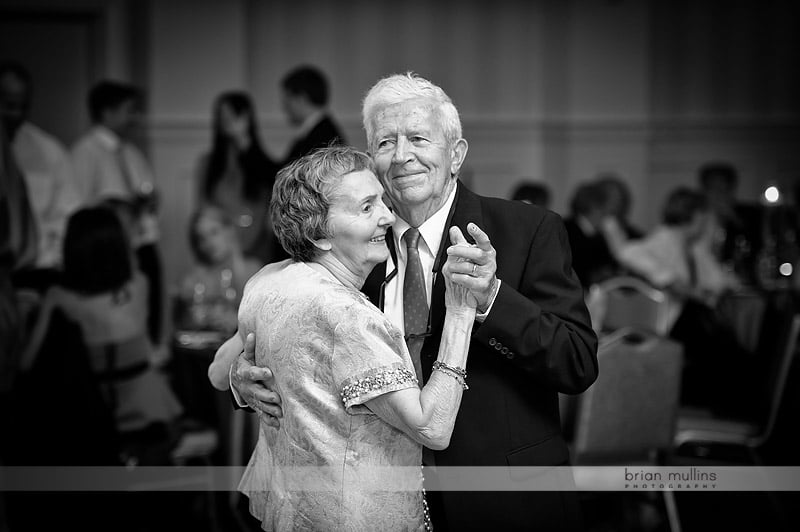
[457,373]
[461,372]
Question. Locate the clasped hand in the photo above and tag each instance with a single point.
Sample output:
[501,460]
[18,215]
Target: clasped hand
[470,266]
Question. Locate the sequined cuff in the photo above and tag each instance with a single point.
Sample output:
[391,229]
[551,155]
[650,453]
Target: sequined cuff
[357,390]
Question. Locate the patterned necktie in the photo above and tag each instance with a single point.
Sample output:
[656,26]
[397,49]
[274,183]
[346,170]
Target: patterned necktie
[415,301]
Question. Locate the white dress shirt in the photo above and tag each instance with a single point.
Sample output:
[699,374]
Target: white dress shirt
[96,162]
[430,238]
[52,190]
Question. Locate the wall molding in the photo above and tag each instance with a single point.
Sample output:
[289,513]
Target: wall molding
[505,127]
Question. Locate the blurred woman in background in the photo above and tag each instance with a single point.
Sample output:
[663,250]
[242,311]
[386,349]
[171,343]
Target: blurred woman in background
[220,272]
[106,295]
[237,175]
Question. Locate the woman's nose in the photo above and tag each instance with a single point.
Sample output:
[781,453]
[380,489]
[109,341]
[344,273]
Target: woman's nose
[387,217]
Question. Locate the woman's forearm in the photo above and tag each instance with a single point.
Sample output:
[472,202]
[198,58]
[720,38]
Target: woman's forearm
[428,415]
[440,398]
[223,359]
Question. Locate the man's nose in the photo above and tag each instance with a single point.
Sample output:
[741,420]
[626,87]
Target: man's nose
[401,151]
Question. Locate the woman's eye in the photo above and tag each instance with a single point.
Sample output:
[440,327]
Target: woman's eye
[367,207]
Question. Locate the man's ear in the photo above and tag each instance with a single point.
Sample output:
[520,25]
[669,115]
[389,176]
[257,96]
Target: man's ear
[458,152]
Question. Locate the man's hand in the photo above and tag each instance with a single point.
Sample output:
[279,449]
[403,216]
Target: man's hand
[255,385]
[473,266]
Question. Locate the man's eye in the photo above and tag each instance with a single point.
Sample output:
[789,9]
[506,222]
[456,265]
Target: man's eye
[384,143]
[367,207]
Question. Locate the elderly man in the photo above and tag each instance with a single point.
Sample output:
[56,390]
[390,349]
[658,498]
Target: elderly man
[533,336]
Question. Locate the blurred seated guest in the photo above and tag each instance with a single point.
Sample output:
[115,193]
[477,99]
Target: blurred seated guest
[237,175]
[532,193]
[674,257]
[618,203]
[134,224]
[44,164]
[592,259]
[736,232]
[219,275]
[107,297]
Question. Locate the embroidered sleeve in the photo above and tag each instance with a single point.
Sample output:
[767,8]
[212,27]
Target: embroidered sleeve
[359,389]
[370,358]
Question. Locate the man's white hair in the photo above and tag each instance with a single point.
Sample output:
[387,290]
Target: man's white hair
[399,88]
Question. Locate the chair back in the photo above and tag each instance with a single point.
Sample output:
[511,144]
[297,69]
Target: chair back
[59,399]
[630,411]
[631,302]
[779,375]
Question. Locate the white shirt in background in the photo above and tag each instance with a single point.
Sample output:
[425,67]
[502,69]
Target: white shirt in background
[52,190]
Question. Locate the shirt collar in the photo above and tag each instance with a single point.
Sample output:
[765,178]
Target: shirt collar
[107,138]
[431,229]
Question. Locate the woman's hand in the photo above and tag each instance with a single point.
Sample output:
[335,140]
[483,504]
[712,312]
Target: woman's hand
[457,296]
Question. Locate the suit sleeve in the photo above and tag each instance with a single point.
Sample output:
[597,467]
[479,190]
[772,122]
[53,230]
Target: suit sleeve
[543,327]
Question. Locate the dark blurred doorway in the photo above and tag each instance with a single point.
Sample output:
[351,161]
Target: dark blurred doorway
[61,52]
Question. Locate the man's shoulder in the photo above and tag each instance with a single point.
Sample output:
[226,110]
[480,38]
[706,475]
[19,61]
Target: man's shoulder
[326,128]
[505,212]
[88,142]
[42,138]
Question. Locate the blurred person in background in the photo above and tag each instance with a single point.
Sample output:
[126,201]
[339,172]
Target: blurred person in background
[675,257]
[17,251]
[107,164]
[237,175]
[305,96]
[219,275]
[735,234]
[533,193]
[104,293]
[46,168]
[592,259]
[618,203]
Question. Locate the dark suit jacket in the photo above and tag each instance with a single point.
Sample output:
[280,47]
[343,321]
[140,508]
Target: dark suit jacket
[536,341]
[320,136]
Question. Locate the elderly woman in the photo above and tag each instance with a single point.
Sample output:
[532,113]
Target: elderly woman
[355,418]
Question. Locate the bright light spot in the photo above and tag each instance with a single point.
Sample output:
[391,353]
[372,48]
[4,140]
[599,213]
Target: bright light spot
[771,194]
[785,269]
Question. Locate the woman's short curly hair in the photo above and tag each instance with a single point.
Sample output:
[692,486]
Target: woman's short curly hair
[302,195]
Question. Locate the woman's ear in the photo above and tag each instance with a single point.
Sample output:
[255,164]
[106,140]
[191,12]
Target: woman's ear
[322,244]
